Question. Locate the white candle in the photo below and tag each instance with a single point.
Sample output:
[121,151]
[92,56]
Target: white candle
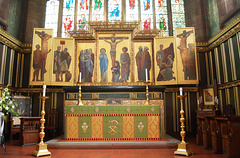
[80,77]
[44,90]
[146,75]
[181,91]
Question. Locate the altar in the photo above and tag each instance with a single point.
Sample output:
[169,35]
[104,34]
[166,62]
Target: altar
[114,120]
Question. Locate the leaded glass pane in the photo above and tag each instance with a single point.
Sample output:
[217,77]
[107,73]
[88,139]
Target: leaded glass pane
[132,10]
[68,16]
[51,16]
[178,14]
[162,16]
[147,14]
[83,14]
[115,10]
[98,10]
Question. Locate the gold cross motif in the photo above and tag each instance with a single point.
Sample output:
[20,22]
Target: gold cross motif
[113,126]
[72,109]
[84,127]
[140,126]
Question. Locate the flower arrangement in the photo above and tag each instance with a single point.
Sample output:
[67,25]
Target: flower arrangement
[7,105]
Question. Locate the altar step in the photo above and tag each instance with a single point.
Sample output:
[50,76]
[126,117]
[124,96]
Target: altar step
[168,142]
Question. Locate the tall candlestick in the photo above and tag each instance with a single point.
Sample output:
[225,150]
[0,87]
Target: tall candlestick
[146,74]
[44,90]
[80,77]
[181,91]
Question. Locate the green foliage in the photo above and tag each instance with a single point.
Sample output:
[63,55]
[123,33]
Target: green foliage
[7,105]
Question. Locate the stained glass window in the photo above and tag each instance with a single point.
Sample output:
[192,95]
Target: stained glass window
[115,10]
[132,10]
[51,16]
[147,14]
[83,14]
[178,15]
[161,16]
[68,16]
[97,10]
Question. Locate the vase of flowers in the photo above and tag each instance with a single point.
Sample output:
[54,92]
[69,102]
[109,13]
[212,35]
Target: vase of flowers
[7,105]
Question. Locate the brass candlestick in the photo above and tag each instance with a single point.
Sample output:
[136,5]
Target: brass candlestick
[41,148]
[182,146]
[147,93]
[80,93]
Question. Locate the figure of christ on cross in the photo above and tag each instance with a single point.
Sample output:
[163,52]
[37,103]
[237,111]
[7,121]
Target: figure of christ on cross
[113,43]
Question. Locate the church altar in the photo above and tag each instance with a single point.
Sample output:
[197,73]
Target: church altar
[116,120]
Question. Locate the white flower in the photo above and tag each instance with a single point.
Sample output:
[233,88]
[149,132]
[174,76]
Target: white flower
[10,102]
[0,101]
[13,106]
[6,97]
[7,108]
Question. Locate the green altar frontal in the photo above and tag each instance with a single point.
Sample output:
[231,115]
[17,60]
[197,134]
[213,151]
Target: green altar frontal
[113,123]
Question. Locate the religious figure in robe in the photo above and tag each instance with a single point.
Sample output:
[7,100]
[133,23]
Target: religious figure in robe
[125,64]
[165,59]
[167,71]
[82,22]
[103,65]
[143,60]
[116,72]
[88,65]
[37,62]
[56,62]
[65,61]
[98,4]
[146,4]
[132,4]
[138,62]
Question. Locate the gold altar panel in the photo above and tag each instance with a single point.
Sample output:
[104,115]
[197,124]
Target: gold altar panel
[142,60]
[72,127]
[186,56]
[111,67]
[128,126]
[153,126]
[97,126]
[165,60]
[85,61]
[41,59]
[63,61]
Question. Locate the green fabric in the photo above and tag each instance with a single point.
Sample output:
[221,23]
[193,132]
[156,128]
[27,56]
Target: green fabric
[87,121]
[110,129]
[137,120]
[133,109]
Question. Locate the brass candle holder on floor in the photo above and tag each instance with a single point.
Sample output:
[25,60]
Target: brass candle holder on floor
[147,93]
[80,93]
[182,146]
[41,148]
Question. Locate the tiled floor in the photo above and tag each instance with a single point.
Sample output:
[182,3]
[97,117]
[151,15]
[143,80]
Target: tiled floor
[14,150]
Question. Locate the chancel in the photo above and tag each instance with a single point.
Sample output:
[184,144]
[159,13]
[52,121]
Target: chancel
[86,78]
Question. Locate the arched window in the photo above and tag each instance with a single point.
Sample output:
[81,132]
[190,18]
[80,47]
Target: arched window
[51,16]
[98,10]
[152,14]
[132,10]
[161,14]
[147,14]
[82,14]
[115,10]
[178,14]
[68,16]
